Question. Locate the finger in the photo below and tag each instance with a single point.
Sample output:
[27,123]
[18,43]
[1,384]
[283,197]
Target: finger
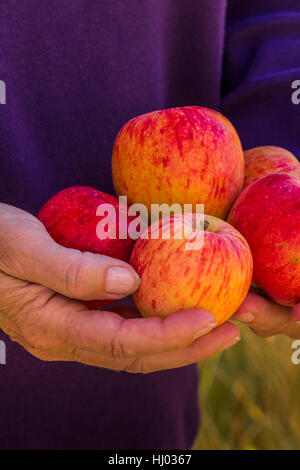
[265,316]
[110,334]
[294,326]
[219,339]
[32,255]
[296,314]
[204,347]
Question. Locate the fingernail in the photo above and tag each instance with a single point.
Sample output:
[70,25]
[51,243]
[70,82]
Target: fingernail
[245,317]
[230,342]
[205,329]
[120,280]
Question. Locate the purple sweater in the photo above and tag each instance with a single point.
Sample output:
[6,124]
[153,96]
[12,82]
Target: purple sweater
[75,72]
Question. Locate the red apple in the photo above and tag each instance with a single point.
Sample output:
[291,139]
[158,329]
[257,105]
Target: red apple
[71,220]
[263,161]
[188,155]
[267,213]
[215,277]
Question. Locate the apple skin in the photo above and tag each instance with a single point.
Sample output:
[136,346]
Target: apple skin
[70,219]
[215,277]
[267,213]
[263,161]
[179,155]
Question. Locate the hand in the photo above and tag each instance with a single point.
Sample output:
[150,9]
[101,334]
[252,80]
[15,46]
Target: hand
[267,318]
[39,281]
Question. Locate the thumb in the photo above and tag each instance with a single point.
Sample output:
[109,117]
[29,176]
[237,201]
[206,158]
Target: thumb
[29,253]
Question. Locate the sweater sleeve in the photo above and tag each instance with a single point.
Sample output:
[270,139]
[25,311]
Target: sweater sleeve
[261,72]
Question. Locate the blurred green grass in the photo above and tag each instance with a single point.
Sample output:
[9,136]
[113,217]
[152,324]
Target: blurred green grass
[250,396]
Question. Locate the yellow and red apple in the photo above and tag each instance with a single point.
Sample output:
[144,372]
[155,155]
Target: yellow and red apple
[187,155]
[267,214]
[215,277]
[267,160]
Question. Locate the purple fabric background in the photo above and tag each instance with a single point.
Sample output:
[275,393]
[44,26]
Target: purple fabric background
[76,71]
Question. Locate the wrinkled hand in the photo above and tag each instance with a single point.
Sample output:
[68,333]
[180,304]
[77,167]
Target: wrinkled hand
[39,281]
[267,318]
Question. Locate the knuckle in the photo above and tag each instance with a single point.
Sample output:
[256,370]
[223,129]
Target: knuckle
[116,348]
[71,355]
[136,366]
[74,276]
